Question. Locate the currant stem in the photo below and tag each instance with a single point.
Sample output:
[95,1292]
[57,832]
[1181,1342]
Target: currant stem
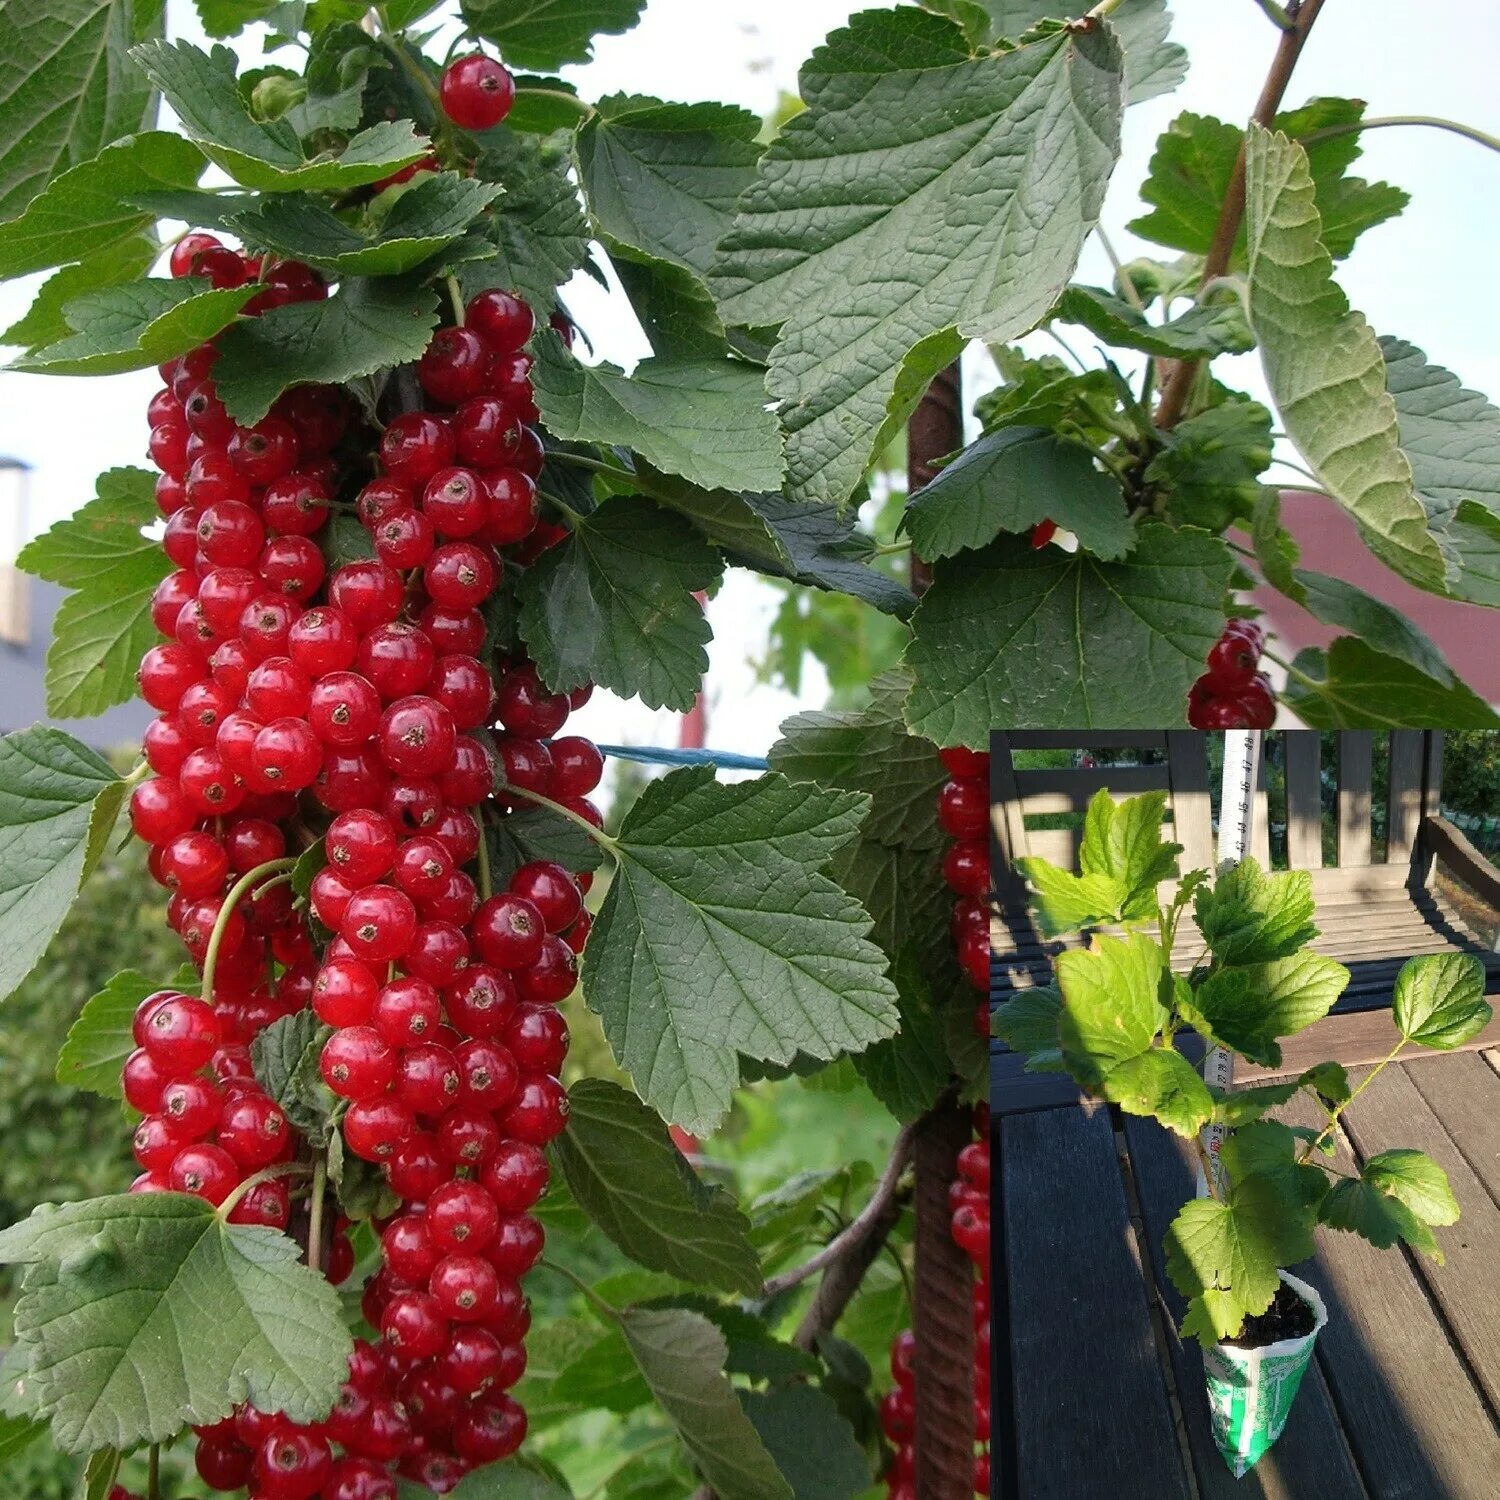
[315,1214]
[138,775]
[593,1298]
[242,1190]
[456,297]
[486,880]
[236,895]
[1380,122]
[597,834]
[153,1472]
[1276,14]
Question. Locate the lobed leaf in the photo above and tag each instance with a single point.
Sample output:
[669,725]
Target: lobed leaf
[1249,1009]
[100,1040]
[1354,686]
[546,34]
[1439,1000]
[1249,916]
[1111,1004]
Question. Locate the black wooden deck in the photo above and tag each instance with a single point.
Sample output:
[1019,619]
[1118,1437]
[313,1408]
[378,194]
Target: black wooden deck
[1096,1398]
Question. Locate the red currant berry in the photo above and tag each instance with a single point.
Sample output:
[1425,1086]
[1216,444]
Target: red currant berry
[504,321]
[477,92]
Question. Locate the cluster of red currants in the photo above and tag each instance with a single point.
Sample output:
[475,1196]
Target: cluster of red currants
[964,815]
[299,698]
[1234,693]
[969,1197]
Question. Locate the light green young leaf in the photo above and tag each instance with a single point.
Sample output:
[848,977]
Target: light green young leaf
[623,1169]
[1418,1181]
[1323,364]
[89,208]
[663,179]
[1248,1009]
[1111,1005]
[104,626]
[368,325]
[1223,1256]
[431,213]
[1122,842]
[546,34]
[1008,481]
[68,87]
[1163,1084]
[1251,917]
[1064,902]
[136,326]
[682,1355]
[720,935]
[204,93]
[1439,1000]
[146,1311]
[662,411]
[1354,686]
[58,803]
[1212,463]
[614,604]
[999,196]
[1122,642]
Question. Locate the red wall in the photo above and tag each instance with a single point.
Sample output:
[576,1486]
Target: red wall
[1466,634]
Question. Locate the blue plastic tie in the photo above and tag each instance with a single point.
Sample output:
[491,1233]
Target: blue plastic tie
[728,759]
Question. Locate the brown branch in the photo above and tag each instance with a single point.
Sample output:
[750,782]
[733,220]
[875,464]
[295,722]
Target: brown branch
[859,1228]
[1302,14]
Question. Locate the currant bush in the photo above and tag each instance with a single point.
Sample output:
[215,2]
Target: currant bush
[303,698]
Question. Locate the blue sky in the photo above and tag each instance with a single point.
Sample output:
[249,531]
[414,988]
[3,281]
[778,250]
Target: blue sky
[1427,277]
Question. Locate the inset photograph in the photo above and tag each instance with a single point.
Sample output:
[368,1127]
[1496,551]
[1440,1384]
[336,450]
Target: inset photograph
[1245,1115]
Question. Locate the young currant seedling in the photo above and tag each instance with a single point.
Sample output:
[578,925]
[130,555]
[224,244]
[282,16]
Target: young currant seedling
[1111,1017]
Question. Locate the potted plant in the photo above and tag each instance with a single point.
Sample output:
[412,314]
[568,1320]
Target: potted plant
[1110,1019]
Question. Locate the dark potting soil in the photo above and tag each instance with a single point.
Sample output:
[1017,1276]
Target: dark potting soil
[1288,1317]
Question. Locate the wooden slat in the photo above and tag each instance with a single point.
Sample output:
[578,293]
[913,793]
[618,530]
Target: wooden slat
[1418,1428]
[1311,1458]
[1391,1112]
[1355,770]
[1405,815]
[1007,827]
[1079,784]
[1357,879]
[1058,846]
[1432,790]
[1464,1093]
[1304,800]
[1091,1410]
[1191,809]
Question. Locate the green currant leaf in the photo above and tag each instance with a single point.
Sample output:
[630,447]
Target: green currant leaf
[614,604]
[366,326]
[285,1056]
[431,213]
[537,236]
[1017,635]
[517,1478]
[1028,1023]
[1354,686]
[721,935]
[17,1434]
[1009,481]
[136,326]
[1194,160]
[1384,628]
[146,1311]
[68,87]
[546,34]
[1439,1000]
[104,626]
[222,19]
[1000,198]
[204,93]
[1418,1181]
[1212,463]
[1204,330]
[909,1071]
[624,1170]
[544,104]
[1249,916]
[44,323]
[1361,1207]
[663,179]
[101,1038]
[662,411]
[682,1357]
[91,207]
[1323,364]
[810,1441]
[1248,1009]
[1163,1084]
[531,833]
[58,804]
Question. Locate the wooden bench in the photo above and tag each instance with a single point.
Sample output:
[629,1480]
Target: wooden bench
[1375,907]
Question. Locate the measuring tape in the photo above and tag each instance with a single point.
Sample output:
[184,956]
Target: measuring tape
[1236,815]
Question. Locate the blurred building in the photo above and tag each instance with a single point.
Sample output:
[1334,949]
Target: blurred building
[27,609]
